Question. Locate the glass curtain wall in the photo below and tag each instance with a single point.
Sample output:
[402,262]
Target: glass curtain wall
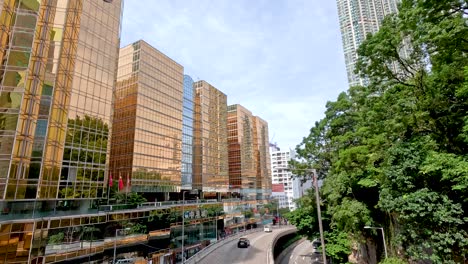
[188,113]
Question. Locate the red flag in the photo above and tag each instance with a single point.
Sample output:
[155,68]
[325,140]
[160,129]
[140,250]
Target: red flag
[121,185]
[111,182]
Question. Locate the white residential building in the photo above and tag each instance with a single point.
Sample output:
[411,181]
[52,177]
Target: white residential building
[282,180]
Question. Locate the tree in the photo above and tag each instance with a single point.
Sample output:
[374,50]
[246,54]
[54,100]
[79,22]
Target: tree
[338,246]
[57,238]
[305,217]
[130,198]
[394,153]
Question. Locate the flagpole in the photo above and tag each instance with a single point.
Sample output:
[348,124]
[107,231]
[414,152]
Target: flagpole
[109,185]
[126,190]
[108,191]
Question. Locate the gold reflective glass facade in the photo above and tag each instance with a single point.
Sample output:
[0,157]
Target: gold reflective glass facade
[146,146]
[56,81]
[249,172]
[210,171]
[58,62]
[262,157]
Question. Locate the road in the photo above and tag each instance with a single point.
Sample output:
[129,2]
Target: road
[255,254]
[302,254]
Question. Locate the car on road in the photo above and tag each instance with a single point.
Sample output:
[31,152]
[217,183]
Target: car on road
[243,243]
[267,228]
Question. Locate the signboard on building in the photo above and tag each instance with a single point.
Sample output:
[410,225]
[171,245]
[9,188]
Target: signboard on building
[277,187]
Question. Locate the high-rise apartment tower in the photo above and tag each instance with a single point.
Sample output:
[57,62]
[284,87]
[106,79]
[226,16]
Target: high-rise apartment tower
[357,19]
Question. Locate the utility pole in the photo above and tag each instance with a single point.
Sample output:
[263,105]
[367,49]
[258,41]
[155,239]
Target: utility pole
[319,215]
[183,224]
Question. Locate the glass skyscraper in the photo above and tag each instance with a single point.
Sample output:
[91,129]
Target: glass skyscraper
[146,149]
[249,158]
[210,141]
[262,157]
[74,111]
[58,65]
[357,19]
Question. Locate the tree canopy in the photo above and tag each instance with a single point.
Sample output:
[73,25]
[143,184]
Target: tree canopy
[394,153]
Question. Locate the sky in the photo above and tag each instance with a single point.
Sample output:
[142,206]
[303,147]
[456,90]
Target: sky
[281,59]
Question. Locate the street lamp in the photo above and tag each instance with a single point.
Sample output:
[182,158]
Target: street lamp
[183,224]
[183,220]
[277,213]
[319,214]
[115,240]
[383,237]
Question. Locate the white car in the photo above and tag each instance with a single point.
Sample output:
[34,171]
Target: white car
[267,228]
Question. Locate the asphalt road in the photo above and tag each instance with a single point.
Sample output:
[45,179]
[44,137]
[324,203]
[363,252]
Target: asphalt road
[255,254]
[302,254]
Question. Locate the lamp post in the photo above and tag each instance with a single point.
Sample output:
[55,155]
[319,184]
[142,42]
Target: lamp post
[317,200]
[115,240]
[183,220]
[216,226]
[277,213]
[383,237]
[183,224]
[319,214]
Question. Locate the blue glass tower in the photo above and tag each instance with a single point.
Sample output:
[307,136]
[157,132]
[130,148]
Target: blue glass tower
[187,132]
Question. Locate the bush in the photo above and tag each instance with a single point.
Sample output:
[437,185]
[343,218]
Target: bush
[393,261]
[57,238]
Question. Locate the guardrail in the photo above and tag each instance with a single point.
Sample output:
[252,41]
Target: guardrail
[117,207]
[213,246]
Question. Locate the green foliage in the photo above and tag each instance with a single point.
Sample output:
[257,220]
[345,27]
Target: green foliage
[272,206]
[305,217]
[284,211]
[130,198]
[350,216]
[338,246]
[57,238]
[262,211]
[213,210]
[89,233]
[138,228]
[393,261]
[248,213]
[395,152]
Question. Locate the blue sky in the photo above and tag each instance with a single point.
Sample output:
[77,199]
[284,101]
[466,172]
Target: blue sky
[281,59]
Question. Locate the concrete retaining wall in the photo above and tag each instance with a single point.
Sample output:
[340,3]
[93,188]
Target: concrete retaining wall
[270,257]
